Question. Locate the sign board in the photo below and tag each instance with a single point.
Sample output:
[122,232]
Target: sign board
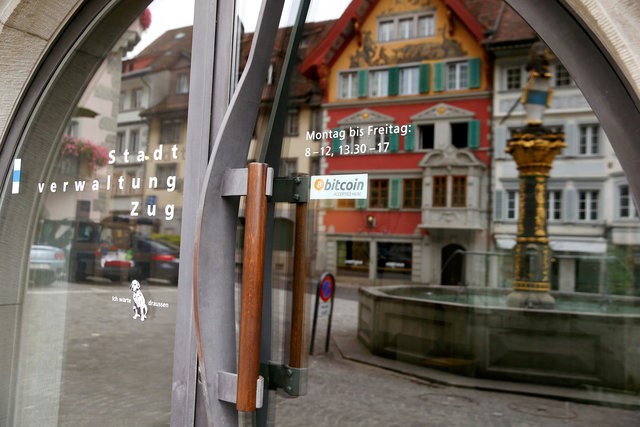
[354,186]
[324,306]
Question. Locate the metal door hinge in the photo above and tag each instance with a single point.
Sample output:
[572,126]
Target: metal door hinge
[292,380]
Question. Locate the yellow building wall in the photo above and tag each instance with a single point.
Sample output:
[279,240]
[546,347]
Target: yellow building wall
[451,41]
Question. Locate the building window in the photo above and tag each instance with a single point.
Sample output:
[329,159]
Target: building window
[563,78]
[379,83]
[427,136]
[589,140]
[460,134]
[379,193]
[409,80]
[353,258]
[134,141]
[412,193]
[121,101]
[627,208]
[121,141]
[394,260]
[170,131]
[426,26]
[292,123]
[406,28]
[554,205]
[588,205]
[163,172]
[136,98]
[386,31]
[459,192]
[182,83]
[288,167]
[457,75]
[349,85]
[316,120]
[512,204]
[439,191]
[513,78]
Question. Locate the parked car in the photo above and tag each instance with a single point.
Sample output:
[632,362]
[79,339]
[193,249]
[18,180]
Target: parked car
[145,258]
[46,265]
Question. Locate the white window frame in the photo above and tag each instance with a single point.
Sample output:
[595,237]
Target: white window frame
[554,205]
[406,27]
[457,75]
[379,83]
[348,80]
[409,80]
[561,77]
[512,205]
[589,139]
[625,202]
[386,30]
[507,82]
[182,83]
[430,26]
[588,205]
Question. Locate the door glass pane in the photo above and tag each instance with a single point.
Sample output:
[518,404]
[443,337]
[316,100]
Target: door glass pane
[94,215]
[424,289]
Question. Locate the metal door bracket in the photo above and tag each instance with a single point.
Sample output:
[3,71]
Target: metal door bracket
[291,190]
[234,182]
[228,388]
[292,380]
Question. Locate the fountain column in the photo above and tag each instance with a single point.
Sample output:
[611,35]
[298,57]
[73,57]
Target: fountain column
[533,148]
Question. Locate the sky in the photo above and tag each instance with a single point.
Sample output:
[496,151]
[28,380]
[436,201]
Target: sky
[169,14]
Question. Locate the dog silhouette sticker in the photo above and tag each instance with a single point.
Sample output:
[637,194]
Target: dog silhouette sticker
[138,301]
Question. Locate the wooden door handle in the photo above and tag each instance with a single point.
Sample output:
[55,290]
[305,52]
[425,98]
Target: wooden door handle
[252,283]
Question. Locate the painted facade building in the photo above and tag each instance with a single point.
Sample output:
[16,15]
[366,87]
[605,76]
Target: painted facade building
[406,98]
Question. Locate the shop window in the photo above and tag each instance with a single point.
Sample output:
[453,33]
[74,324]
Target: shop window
[588,275]
[394,260]
[353,258]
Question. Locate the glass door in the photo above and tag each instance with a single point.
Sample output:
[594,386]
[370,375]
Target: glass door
[91,226]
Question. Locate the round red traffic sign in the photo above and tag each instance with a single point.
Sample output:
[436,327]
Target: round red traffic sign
[327,285]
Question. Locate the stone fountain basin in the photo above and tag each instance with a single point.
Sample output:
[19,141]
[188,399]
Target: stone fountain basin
[587,340]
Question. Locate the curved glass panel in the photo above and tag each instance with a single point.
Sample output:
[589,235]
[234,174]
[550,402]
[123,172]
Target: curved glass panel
[435,278]
[91,223]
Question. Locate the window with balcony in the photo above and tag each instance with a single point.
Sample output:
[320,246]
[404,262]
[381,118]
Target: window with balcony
[439,192]
[459,191]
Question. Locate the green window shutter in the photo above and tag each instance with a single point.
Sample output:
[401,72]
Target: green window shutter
[438,76]
[475,73]
[363,83]
[393,81]
[473,134]
[361,203]
[409,144]
[424,81]
[395,193]
[394,142]
[335,143]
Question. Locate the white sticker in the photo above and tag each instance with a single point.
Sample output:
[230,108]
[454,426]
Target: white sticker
[339,186]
